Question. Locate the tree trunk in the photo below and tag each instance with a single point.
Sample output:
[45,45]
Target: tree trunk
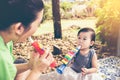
[56,18]
[118,45]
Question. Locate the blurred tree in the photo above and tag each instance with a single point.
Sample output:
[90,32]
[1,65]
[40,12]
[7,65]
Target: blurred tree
[109,22]
[47,12]
[66,10]
[56,18]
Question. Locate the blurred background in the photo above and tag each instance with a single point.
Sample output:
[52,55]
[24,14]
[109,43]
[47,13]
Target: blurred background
[63,18]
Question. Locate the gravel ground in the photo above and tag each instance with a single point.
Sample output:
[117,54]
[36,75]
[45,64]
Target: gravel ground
[109,69]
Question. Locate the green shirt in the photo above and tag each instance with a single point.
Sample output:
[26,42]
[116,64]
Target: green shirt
[7,67]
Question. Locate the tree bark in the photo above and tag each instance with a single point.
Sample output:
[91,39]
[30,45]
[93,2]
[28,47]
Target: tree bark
[118,45]
[56,18]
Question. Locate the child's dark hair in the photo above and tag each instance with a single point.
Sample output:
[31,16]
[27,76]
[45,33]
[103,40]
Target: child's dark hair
[88,30]
[13,11]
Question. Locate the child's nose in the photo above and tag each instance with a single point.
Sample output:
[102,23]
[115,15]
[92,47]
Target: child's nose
[80,40]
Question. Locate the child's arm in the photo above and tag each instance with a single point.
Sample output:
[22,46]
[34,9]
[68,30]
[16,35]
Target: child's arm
[94,66]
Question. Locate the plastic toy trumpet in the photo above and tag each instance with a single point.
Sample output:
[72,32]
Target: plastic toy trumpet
[67,59]
[38,48]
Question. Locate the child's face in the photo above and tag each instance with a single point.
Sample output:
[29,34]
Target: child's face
[33,27]
[84,40]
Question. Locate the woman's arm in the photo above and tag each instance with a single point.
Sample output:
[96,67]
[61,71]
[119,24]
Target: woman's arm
[40,65]
[37,64]
[22,67]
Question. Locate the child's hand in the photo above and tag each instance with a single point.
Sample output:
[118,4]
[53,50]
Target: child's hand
[40,63]
[84,71]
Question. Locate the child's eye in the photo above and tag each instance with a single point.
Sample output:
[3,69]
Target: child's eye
[84,39]
[79,38]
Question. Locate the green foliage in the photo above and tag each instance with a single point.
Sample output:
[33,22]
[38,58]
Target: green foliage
[47,12]
[68,15]
[66,6]
[109,22]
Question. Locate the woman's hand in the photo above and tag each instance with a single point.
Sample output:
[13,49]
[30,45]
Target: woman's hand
[39,63]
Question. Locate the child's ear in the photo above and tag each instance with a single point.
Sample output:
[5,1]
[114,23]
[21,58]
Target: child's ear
[19,28]
[92,42]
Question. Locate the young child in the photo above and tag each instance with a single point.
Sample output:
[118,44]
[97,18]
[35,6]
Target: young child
[84,66]
[19,19]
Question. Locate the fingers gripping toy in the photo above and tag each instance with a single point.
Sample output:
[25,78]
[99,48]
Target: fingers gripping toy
[67,59]
[38,47]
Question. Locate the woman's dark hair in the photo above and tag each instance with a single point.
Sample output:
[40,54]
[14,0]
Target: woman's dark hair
[13,11]
[88,30]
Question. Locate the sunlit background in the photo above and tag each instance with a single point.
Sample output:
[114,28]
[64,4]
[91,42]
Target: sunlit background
[102,15]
